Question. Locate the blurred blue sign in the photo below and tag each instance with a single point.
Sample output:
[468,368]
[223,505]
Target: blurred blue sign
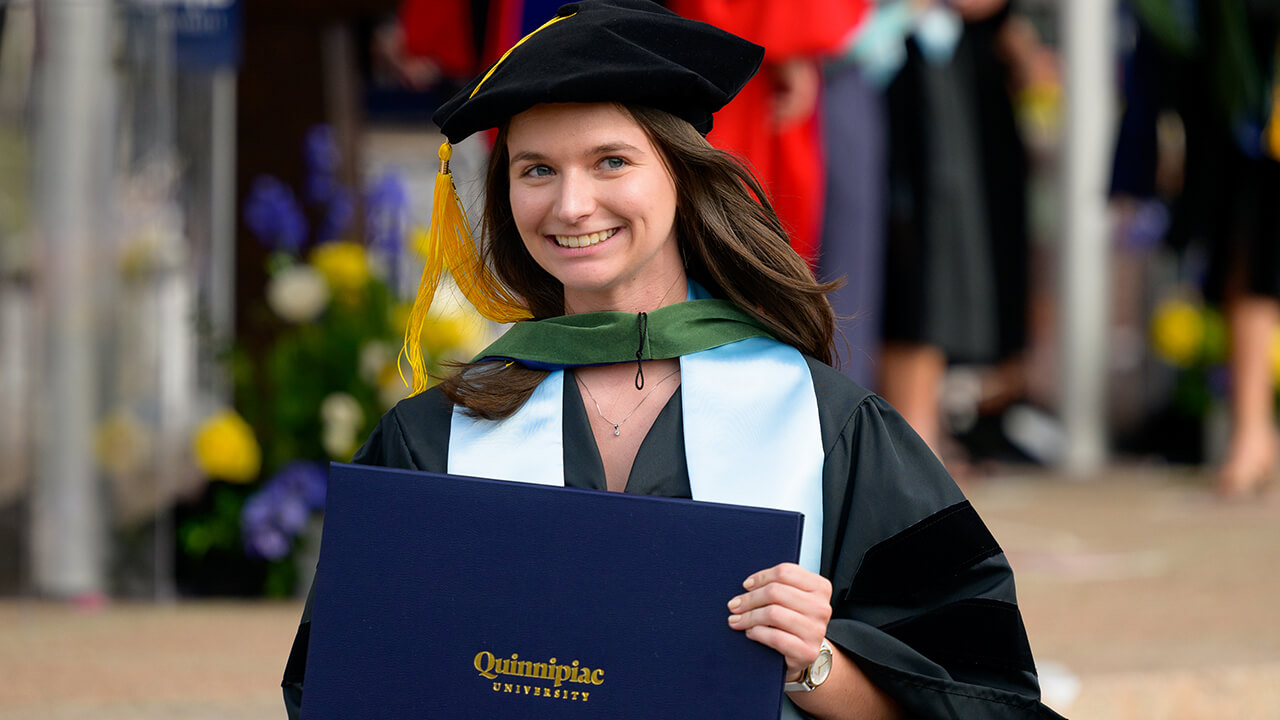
[207,34]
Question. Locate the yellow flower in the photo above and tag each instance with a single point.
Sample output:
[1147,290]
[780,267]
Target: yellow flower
[1178,332]
[441,333]
[457,335]
[391,389]
[400,313]
[344,264]
[226,449]
[122,444]
[420,241]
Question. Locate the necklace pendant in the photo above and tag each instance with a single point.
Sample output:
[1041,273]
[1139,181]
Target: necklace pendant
[616,431]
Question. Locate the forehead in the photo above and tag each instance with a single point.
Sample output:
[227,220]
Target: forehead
[566,127]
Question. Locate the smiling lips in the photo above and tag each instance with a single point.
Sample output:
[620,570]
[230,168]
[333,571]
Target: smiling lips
[581,241]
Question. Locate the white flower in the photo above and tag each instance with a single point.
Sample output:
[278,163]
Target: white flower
[341,410]
[342,419]
[339,441]
[298,293]
[375,355]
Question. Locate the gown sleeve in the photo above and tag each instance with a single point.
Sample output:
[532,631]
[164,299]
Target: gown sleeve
[923,598]
[414,435]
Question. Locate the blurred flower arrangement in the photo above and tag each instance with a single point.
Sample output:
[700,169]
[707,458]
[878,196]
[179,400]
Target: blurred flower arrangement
[1194,338]
[1191,337]
[328,372]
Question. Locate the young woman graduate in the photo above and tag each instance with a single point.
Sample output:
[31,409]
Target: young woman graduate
[670,342]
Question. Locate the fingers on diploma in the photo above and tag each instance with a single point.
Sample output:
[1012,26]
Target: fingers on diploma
[796,650]
[786,608]
[775,616]
[793,575]
[777,594]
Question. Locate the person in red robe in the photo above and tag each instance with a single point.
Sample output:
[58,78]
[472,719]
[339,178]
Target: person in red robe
[773,122]
[462,37]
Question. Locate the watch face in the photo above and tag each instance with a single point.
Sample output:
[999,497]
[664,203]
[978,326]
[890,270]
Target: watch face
[821,668]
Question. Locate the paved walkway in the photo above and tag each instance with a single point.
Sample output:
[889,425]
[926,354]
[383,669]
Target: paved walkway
[1144,599]
[1158,599]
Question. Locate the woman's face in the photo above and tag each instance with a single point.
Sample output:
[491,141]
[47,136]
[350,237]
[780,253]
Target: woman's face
[595,206]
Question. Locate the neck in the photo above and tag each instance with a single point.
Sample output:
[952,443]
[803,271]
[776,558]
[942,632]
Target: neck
[644,299]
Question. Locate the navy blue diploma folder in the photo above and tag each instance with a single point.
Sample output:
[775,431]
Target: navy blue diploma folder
[455,598]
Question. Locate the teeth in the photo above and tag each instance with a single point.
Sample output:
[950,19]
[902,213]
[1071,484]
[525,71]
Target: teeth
[581,241]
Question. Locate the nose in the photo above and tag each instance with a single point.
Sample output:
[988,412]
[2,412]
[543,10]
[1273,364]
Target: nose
[577,198]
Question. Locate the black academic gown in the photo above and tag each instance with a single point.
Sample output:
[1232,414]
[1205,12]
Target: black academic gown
[923,598]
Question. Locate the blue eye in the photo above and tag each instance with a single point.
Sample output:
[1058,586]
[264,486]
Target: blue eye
[614,163]
[538,171]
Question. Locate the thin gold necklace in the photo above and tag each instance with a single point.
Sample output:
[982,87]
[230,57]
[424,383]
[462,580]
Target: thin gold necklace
[617,426]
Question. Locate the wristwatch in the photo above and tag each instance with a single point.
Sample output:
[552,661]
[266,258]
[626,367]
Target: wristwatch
[815,674]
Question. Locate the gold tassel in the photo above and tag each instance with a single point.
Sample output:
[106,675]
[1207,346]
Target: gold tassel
[1271,133]
[450,247]
[1271,136]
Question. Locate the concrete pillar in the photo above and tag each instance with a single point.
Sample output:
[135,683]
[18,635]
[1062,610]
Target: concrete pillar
[1088,54]
[73,136]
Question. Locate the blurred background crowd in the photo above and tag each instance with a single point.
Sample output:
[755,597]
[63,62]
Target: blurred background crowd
[211,210]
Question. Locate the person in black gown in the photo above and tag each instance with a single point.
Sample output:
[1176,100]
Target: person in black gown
[675,345]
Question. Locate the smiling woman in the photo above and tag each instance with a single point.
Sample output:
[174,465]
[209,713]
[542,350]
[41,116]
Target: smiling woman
[595,206]
[679,347]
[726,238]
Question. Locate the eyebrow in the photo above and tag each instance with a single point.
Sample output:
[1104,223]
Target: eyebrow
[612,147]
[527,155]
[533,156]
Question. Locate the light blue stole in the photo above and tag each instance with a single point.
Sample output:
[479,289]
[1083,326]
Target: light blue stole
[751,435]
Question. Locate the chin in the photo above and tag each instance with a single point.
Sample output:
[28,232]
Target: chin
[579,285]
[583,279]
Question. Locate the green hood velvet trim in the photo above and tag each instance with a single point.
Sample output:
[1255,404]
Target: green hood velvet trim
[602,338]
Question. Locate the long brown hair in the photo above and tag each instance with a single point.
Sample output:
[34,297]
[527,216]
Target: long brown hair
[730,237]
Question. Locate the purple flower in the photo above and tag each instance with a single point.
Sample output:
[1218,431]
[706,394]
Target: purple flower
[1148,226]
[272,214]
[320,188]
[387,213]
[321,153]
[307,480]
[257,511]
[291,514]
[262,534]
[338,218]
[320,148]
[274,515]
[267,543]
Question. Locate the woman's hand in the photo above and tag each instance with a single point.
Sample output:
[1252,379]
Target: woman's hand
[795,90]
[786,608]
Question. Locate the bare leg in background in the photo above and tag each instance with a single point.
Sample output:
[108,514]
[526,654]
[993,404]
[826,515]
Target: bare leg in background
[1252,451]
[911,381]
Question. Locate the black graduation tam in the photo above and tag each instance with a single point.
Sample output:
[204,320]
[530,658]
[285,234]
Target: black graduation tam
[629,51]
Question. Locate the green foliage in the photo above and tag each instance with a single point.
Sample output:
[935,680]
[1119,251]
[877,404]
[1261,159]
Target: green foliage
[281,389]
[219,528]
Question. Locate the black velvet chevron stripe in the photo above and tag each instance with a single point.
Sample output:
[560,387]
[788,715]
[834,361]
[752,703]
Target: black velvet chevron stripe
[986,633]
[296,668]
[925,555]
